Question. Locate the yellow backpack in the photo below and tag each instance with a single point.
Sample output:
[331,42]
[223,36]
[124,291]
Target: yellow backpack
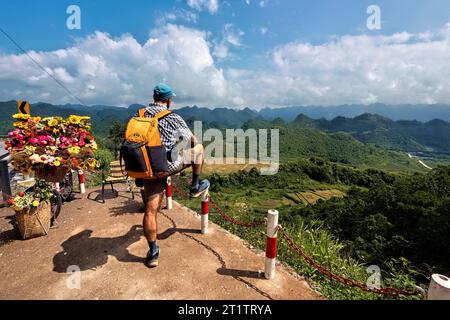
[144,155]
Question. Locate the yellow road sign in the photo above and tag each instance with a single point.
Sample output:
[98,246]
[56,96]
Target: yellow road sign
[24,107]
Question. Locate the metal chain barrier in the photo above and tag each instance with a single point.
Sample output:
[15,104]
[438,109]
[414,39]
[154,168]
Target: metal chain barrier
[253,224]
[393,292]
[219,210]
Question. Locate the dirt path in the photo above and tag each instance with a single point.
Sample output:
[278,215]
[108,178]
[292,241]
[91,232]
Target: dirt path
[106,242]
[420,161]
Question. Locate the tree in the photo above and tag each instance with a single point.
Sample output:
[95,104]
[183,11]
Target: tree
[116,134]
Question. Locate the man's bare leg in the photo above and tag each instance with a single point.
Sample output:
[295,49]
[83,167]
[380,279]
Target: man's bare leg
[153,199]
[198,156]
[195,161]
[150,216]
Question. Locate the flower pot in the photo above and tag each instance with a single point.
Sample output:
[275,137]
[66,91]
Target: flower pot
[34,221]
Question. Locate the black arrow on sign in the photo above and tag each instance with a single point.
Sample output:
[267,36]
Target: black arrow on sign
[22,107]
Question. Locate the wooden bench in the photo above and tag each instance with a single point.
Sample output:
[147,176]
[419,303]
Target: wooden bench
[114,176]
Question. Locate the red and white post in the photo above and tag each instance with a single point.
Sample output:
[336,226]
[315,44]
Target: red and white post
[271,244]
[81,181]
[205,212]
[169,203]
[57,186]
[439,287]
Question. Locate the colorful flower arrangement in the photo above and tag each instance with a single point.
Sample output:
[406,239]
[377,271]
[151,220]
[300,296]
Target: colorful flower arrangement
[32,199]
[38,143]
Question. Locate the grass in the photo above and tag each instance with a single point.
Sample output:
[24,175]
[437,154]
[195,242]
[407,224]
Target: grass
[396,162]
[210,168]
[311,197]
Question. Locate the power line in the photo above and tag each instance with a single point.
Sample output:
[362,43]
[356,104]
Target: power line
[41,67]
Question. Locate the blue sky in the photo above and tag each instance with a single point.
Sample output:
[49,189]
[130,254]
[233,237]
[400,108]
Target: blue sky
[242,42]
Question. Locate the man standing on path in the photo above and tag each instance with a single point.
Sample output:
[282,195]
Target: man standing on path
[173,129]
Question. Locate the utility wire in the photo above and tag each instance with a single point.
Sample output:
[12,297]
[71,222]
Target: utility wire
[41,67]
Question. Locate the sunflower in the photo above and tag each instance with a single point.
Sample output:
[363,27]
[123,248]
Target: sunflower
[74,120]
[30,149]
[74,150]
[93,145]
[20,125]
[90,164]
[53,123]
[21,116]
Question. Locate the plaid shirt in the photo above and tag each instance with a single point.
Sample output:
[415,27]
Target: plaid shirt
[172,128]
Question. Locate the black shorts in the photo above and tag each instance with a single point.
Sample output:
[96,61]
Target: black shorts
[154,188]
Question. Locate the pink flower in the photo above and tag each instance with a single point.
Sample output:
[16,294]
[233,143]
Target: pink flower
[42,141]
[33,141]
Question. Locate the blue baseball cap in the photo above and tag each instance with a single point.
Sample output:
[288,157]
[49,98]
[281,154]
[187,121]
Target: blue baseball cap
[163,92]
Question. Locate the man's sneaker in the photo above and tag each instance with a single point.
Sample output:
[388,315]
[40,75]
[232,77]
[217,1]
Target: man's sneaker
[197,191]
[153,259]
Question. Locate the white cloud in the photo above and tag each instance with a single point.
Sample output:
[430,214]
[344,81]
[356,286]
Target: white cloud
[262,3]
[221,50]
[231,37]
[400,68]
[171,16]
[178,15]
[99,69]
[211,5]
[263,30]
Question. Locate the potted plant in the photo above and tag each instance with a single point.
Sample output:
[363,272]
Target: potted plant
[48,147]
[51,146]
[33,212]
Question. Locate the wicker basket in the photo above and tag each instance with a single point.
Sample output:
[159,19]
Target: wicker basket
[51,174]
[34,222]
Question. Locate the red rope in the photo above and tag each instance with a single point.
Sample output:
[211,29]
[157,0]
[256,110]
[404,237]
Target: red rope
[393,292]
